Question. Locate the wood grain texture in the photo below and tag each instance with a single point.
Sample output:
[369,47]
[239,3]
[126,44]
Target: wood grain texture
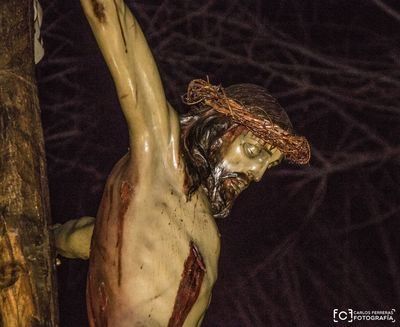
[27,288]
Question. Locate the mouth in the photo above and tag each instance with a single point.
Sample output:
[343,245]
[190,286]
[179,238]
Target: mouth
[239,185]
[236,183]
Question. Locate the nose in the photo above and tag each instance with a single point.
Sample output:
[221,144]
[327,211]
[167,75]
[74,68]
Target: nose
[258,173]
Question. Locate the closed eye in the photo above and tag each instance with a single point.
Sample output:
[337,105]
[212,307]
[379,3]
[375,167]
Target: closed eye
[251,150]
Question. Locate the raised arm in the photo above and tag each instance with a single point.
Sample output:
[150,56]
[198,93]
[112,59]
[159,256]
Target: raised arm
[135,73]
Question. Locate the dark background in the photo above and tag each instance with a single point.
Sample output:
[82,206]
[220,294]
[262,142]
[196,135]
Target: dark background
[303,241]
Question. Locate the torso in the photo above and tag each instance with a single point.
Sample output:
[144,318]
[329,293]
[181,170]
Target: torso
[152,250]
[154,254]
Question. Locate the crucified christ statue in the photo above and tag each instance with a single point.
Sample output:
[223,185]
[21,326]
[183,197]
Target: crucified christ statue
[155,244]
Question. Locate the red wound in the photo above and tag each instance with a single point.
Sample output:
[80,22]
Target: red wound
[189,287]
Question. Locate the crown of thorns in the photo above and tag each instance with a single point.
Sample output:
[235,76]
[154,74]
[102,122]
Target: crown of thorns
[295,148]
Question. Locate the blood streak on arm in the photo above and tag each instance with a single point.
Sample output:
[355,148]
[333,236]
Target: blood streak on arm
[98,10]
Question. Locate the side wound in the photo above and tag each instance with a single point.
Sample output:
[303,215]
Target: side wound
[189,287]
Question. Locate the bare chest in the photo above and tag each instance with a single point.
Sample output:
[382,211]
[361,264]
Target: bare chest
[155,246]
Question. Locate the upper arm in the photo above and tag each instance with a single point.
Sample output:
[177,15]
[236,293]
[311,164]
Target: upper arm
[134,71]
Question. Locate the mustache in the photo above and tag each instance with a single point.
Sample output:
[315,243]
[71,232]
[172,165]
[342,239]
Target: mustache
[235,175]
[231,183]
[237,181]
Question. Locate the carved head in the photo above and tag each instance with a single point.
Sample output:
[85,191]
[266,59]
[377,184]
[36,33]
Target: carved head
[224,155]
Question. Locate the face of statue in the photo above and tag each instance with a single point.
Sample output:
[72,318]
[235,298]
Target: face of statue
[241,161]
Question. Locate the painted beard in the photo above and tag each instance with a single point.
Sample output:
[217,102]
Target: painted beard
[223,187]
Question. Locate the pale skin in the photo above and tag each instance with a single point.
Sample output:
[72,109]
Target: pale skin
[246,155]
[146,225]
